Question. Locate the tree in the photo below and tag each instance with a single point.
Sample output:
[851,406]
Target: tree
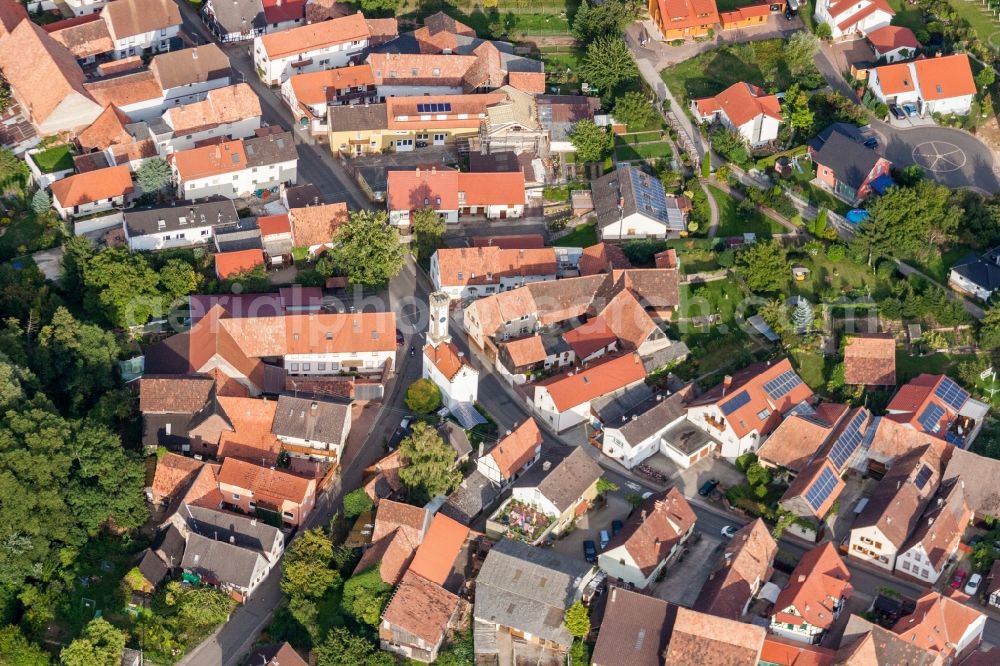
[634,110]
[357,502]
[41,202]
[430,464]
[306,571]
[365,596]
[796,109]
[77,360]
[577,620]
[100,644]
[606,18]
[802,317]
[367,249]
[17,650]
[423,396]
[592,143]
[178,278]
[764,266]
[824,31]
[121,288]
[153,175]
[428,229]
[607,63]
[986,77]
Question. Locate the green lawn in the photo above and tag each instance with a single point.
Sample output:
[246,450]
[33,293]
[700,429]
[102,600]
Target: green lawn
[733,223]
[57,158]
[584,235]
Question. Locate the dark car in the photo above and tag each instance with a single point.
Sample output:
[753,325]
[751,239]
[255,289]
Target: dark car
[707,487]
[616,527]
[896,112]
[590,551]
[871,142]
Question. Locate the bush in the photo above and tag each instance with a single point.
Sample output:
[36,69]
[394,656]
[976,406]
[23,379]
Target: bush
[423,396]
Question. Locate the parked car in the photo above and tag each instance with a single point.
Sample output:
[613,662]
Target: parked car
[589,551]
[729,531]
[707,487]
[605,538]
[871,142]
[973,585]
[896,113]
[616,527]
[910,109]
[959,578]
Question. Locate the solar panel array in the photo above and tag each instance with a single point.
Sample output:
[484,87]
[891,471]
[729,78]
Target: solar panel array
[437,107]
[930,420]
[651,198]
[951,393]
[735,403]
[782,384]
[849,441]
[821,488]
[923,476]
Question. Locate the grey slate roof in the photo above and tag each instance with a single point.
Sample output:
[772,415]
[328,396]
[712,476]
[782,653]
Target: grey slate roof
[351,117]
[313,419]
[565,480]
[529,589]
[270,149]
[240,531]
[181,215]
[849,160]
[220,561]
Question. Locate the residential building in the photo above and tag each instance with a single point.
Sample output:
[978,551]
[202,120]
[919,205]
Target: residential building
[523,592]
[452,194]
[236,168]
[92,192]
[561,488]
[235,20]
[685,19]
[564,400]
[943,84]
[745,109]
[28,55]
[936,405]
[186,75]
[892,513]
[310,48]
[704,638]
[870,360]
[743,568]
[402,121]
[974,473]
[635,629]
[846,167]
[139,26]
[849,18]
[418,618]
[893,43]
[470,272]
[312,428]
[977,275]
[185,225]
[944,626]
[934,543]
[310,94]
[814,597]
[447,367]
[746,407]
[252,488]
[629,203]
[514,454]
[650,540]
[86,37]
[230,112]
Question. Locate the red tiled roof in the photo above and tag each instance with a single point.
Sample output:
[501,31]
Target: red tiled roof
[229,264]
[568,390]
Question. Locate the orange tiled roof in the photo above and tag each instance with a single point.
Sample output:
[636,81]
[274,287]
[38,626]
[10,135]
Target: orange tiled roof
[515,450]
[870,360]
[262,481]
[315,36]
[569,390]
[229,264]
[819,581]
[93,186]
[438,551]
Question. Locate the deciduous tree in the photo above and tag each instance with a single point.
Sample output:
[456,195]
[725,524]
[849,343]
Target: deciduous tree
[430,464]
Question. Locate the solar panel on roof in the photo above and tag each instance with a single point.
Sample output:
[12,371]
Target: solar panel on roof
[951,393]
[782,384]
[735,403]
[923,476]
[848,442]
[930,420]
[821,488]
